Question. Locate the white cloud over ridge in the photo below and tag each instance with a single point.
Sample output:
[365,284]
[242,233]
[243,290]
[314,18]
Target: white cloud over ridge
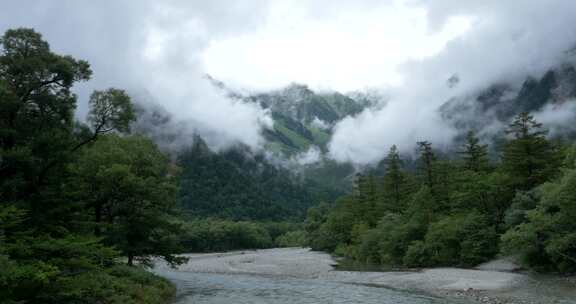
[154,49]
[507,41]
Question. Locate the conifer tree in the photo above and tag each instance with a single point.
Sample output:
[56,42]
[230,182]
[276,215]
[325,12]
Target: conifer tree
[366,197]
[474,154]
[529,158]
[427,158]
[395,182]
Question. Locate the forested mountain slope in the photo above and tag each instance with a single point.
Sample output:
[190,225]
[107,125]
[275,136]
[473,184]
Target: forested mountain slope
[303,118]
[490,109]
[238,184]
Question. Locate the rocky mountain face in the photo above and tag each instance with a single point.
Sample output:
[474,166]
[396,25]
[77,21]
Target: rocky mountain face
[304,118]
[489,110]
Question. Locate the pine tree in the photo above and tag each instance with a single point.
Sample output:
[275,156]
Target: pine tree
[427,159]
[395,183]
[529,158]
[474,154]
[366,197]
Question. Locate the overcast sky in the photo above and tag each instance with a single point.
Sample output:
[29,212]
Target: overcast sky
[163,49]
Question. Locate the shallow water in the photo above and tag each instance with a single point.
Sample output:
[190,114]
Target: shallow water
[204,288]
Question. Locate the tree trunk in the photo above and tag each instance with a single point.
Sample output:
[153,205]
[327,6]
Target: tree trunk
[97,219]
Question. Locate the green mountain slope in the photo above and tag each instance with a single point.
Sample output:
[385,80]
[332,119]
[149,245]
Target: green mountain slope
[304,118]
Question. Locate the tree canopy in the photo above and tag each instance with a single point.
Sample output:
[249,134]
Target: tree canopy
[56,173]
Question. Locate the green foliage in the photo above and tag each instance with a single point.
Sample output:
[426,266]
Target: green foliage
[518,212]
[296,238]
[118,284]
[454,213]
[463,240]
[49,252]
[126,182]
[427,161]
[110,110]
[298,114]
[546,240]
[237,185]
[366,207]
[396,184]
[474,155]
[529,157]
[215,235]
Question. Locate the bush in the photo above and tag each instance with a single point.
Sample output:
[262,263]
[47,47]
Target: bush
[463,240]
[546,241]
[416,255]
[223,235]
[296,238]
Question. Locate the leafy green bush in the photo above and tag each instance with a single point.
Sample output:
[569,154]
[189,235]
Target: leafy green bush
[462,240]
[547,239]
[416,255]
[212,235]
[296,238]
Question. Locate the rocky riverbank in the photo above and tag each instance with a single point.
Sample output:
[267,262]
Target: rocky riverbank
[491,283]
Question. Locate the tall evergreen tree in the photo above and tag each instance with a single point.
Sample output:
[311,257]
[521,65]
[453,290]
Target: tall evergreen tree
[529,158]
[366,198]
[474,154]
[394,183]
[427,160]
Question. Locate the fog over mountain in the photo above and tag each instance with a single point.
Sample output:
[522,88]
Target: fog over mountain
[422,54]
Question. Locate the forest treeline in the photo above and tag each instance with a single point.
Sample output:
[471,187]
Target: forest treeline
[460,211]
[237,184]
[83,206]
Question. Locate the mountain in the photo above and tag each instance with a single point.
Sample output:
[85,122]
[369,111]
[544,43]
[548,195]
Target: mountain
[489,110]
[241,184]
[303,118]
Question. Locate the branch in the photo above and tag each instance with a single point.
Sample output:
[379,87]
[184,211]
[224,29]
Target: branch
[97,131]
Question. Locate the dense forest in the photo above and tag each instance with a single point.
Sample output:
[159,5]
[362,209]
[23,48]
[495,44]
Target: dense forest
[236,184]
[460,211]
[83,206]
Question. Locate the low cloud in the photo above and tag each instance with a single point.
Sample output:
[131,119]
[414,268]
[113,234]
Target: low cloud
[310,156]
[152,49]
[558,119]
[507,42]
[163,50]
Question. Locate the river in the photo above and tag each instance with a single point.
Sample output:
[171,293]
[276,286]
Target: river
[298,275]
[207,288]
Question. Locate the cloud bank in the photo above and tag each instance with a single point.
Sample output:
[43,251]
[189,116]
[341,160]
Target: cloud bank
[161,50]
[506,42]
[152,49]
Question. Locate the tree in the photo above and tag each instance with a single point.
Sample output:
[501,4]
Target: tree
[37,110]
[474,155]
[110,110]
[529,158]
[427,159]
[366,199]
[47,255]
[395,183]
[37,127]
[126,182]
[436,175]
[546,239]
